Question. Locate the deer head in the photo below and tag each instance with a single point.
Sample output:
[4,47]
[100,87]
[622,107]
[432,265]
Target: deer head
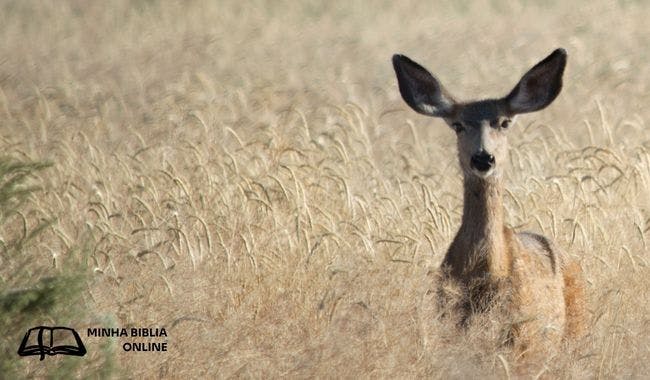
[481,126]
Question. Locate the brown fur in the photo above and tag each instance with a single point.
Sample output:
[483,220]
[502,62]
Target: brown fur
[488,260]
[574,299]
[487,263]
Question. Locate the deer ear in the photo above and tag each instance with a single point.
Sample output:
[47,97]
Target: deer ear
[420,89]
[539,86]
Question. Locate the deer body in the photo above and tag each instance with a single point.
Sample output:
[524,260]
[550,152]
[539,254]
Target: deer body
[487,258]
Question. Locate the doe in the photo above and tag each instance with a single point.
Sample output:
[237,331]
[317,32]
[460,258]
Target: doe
[545,295]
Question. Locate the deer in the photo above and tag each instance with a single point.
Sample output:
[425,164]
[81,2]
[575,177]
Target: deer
[544,287]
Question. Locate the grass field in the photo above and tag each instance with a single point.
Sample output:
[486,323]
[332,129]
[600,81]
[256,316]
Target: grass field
[246,175]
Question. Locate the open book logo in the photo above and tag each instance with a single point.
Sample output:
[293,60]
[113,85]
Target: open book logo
[43,340]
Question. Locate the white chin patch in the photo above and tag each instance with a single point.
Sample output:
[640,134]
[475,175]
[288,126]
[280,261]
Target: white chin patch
[486,174]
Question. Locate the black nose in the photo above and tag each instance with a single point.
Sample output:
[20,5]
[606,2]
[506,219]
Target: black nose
[482,161]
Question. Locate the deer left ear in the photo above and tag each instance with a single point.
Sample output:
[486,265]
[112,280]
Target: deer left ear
[539,86]
[421,90]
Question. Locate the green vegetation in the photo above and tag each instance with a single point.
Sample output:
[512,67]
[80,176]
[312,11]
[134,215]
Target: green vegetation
[33,289]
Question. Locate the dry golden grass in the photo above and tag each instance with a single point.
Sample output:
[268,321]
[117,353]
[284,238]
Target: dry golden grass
[252,180]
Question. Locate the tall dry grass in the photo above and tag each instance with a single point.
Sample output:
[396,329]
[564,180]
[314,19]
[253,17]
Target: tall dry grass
[250,179]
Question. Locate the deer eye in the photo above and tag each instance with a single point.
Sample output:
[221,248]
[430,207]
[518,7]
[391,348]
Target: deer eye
[458,127]
[505,123]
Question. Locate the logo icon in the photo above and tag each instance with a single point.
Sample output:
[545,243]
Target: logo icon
[43,340]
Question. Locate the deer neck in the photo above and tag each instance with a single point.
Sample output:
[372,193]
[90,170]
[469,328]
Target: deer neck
[483,224]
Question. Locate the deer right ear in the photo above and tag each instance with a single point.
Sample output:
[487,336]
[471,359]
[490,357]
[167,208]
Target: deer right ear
[539,86]
[420,89]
